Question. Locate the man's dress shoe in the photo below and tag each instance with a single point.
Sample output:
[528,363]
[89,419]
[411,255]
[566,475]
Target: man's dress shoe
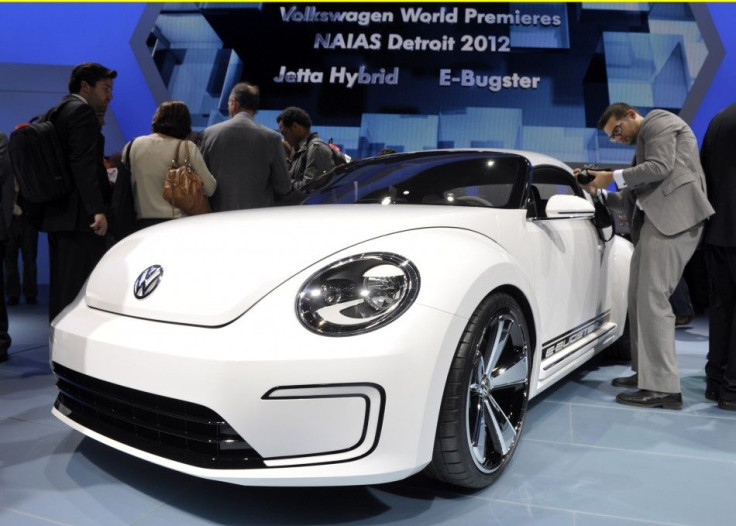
[712,389]
[684,320]
[626,381]
[728,405]
[644,398]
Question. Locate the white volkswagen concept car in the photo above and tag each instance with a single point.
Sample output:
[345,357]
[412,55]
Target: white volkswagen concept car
[399,320]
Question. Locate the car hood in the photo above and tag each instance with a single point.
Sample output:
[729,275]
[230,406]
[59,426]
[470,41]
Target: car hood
[215,267]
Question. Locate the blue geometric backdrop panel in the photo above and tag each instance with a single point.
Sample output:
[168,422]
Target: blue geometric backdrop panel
[416,76]
[685,56]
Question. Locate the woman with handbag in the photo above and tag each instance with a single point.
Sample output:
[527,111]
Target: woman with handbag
[165,157]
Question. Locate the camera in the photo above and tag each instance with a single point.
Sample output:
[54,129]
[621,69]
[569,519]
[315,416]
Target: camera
[584,177]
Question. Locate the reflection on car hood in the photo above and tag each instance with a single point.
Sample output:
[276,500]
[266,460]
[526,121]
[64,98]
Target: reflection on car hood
[216,267]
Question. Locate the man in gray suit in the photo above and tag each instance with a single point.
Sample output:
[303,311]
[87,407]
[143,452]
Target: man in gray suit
[247,159]
[664,194]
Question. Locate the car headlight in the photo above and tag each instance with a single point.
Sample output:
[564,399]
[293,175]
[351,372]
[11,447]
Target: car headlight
[357,294]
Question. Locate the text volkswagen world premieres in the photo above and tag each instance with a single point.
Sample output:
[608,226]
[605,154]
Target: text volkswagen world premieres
[398,322]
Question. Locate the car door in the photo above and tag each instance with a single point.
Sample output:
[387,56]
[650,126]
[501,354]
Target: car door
[567,269]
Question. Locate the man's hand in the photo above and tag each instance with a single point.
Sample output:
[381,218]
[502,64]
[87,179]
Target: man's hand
[602,179]
[99,227]
[587,187]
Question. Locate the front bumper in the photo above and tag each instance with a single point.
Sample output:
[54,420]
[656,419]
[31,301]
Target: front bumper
[288,407]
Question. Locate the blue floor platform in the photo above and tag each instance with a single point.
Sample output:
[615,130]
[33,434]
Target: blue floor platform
[583,461]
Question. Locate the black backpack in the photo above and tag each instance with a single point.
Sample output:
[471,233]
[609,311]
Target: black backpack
[40,166]
[122,204]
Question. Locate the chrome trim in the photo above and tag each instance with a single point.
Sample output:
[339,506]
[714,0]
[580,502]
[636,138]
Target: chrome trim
[575,339]
[543,219]
[147,281]
[490,418]
[372,394]
[314,323]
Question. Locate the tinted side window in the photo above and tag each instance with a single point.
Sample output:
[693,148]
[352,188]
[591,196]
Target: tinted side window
[553,181]
[438,178]
[547,181]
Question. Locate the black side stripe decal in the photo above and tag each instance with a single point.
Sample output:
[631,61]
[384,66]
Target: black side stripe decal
[558,343]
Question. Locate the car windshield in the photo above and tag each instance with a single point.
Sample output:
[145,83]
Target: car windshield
[465,178]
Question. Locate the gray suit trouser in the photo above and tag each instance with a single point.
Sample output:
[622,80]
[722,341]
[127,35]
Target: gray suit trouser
[656,266]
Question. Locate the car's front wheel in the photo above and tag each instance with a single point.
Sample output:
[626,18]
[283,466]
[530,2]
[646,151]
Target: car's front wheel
[485,398]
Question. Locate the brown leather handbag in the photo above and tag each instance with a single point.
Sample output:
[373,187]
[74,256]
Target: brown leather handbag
[183,187]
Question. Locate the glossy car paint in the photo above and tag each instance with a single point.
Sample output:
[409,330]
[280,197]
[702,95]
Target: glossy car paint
[220,329]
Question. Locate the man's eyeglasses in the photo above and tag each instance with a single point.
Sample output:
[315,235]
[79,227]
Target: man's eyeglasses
[616,131]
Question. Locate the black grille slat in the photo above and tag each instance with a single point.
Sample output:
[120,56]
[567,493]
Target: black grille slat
[174,429]
[111,416]
[134,404]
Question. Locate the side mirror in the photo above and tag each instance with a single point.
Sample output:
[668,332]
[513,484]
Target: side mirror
[569,207]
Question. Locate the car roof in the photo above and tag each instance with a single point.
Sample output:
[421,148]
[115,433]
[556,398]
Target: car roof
[534,158]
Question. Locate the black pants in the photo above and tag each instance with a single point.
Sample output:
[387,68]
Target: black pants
[23,238]
[720,369]
[4,336]
[72,256]
[680,300]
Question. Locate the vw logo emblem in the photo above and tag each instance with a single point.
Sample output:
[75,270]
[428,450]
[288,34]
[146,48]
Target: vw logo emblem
[147,281]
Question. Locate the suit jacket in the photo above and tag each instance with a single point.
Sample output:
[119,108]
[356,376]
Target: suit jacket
[83,146]
[718,156]
[667,179]
[248,162]
[7,192]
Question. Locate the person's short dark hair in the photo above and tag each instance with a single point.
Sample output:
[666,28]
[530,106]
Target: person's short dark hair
[247,95]
[172,118]
[616,110]
[386,151]
[91,73]
[292,115]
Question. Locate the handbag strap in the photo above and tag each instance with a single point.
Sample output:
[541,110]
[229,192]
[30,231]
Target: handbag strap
[126,153]
[176,164]
[186,152]
[175,160]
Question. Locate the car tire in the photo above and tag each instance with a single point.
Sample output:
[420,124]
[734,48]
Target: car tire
[485,398]
[620,350]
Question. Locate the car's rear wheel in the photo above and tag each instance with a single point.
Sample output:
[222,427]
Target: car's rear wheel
[485,398]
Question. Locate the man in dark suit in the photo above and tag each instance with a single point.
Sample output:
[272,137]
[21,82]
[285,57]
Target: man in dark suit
[664,193]
[77,224]
[23,241]
[718,156]
[6,211]
[247,159]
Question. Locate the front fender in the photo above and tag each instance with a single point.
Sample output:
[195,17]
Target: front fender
[458,268]
[619,261]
